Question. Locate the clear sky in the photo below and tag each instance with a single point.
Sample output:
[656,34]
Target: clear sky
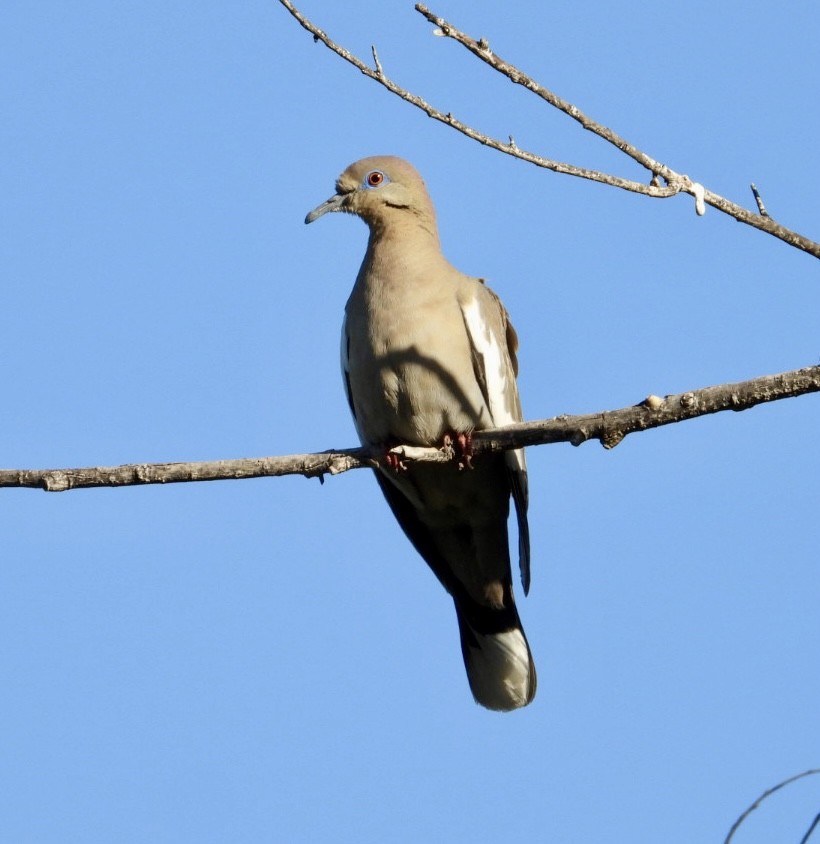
[269,660]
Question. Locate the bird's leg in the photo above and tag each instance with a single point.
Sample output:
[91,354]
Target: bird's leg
[462,445]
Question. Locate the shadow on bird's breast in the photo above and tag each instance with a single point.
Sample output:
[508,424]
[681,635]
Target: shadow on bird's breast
[424,394]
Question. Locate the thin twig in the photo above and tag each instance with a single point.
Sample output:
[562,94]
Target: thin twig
[675,182]
[608,427]
[376,62]
[767,793]
[759,200]
[811,829]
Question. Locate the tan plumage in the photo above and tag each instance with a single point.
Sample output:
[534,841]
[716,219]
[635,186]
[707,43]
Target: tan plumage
[429,352]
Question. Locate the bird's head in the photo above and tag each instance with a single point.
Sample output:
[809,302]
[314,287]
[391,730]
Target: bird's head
[382,190]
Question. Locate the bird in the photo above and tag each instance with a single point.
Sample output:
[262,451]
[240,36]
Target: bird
[429,356]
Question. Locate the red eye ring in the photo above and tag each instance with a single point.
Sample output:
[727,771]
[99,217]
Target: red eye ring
[375,178]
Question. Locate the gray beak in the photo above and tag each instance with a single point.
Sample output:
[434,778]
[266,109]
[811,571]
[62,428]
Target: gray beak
[333,204]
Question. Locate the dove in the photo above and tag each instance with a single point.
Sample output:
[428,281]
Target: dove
[429,357]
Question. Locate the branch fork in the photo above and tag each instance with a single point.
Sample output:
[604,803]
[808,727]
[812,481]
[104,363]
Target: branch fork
[674,182]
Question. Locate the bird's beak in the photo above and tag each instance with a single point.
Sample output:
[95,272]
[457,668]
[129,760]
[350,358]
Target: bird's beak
[335,203]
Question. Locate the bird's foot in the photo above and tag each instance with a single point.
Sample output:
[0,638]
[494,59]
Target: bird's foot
[393,460]
[462,445]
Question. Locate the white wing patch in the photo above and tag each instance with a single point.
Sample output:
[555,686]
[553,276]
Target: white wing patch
[497,369]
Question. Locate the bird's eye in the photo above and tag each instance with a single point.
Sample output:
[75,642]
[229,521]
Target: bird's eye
[374,178]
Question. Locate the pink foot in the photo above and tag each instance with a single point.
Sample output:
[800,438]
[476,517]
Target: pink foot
[394,462]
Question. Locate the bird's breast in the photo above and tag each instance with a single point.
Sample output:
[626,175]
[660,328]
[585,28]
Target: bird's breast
[410,369]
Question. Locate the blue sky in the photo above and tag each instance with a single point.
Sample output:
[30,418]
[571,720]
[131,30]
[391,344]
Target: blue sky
[268,660]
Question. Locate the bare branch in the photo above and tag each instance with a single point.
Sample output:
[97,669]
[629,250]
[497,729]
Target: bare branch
[608,427]
[760,221]
[448,119]
[768,793]
[481,49]
[675,182]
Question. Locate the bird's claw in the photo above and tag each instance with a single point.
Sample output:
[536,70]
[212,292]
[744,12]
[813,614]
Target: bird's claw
[394,461]
[462,445]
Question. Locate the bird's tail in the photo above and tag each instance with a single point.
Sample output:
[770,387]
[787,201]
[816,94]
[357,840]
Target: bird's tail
[496,655]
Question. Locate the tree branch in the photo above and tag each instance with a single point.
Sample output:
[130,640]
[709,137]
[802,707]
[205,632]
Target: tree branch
[608,427]
[767,793]
[675,182]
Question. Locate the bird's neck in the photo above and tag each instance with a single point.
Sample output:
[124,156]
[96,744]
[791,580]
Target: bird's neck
[409,233]
[398,256]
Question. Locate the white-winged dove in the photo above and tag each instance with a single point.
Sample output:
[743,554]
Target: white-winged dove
[429,353]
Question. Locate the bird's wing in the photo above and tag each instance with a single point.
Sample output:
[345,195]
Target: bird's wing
[494,347]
